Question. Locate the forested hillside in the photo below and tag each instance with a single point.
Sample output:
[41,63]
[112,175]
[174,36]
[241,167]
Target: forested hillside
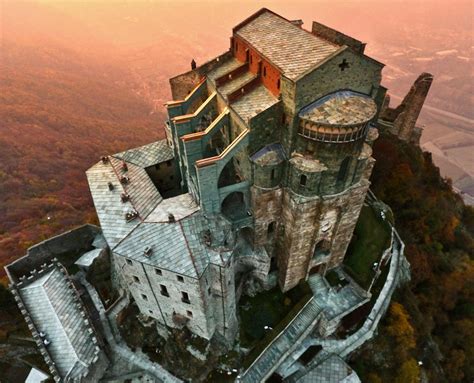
[60,110]
[432,319]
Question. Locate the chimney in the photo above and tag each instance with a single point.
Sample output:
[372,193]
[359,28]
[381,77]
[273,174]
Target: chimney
[124,197]
[124,180]
[104,159]
[124,166]
[171,218]
[193,64]
[111,186]
[147,252]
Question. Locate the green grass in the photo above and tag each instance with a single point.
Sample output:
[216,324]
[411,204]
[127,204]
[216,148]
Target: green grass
[371,238]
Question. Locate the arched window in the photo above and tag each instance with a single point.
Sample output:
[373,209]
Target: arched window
[303,179]
[264,71]
[278,84]
[342,175]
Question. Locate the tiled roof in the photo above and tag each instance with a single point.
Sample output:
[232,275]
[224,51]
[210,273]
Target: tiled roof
[180,206]
[147,155]
[290,48]
[143,195]
[108,205]
[341,108]
[224,67]
[236,83]
[51,304]
[174,246]
[254,102]
[332,370]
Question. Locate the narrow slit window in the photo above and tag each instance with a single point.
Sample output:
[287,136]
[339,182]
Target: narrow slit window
[272,174]
[164,291]
[264,71]
[303,180]
[185,297]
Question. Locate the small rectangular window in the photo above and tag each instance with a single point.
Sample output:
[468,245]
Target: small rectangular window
[164,291]
[129,262]
[180,278]
[136,279]
[145,298]
[158,272]
[185,297]
[190,313]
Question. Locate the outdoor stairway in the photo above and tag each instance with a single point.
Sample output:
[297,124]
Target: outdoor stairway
[285,343]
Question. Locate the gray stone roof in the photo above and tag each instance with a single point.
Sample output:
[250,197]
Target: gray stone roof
[109,207]
[254,102]
[144,197]
[341,108]
[174,246]
[147,155]
[88,258]
[290,48]
[52,305]
[331,370]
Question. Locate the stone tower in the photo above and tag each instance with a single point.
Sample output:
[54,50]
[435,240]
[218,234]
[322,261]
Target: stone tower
[401,120]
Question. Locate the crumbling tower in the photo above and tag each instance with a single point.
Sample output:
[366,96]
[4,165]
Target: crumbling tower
[401,120]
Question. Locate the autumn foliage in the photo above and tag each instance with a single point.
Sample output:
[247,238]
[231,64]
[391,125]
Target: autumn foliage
[433,318]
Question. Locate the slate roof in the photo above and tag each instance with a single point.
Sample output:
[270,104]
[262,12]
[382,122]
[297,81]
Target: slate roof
[144,196]
[254,102]
[331,370]
[51,303]
[341,108]
[87,259]
[147,155]
[290,48]
[108,205]
[175,246]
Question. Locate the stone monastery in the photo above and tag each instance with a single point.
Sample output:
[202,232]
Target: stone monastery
[259,183]
[265,168]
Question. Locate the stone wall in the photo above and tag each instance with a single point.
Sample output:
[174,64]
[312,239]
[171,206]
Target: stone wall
[336,37]
[144,283]
[67,246]
[184,83]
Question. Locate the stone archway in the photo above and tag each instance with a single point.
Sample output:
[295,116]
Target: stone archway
[233,206]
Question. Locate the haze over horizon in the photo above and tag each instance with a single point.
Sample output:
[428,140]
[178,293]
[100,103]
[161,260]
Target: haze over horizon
[81,79]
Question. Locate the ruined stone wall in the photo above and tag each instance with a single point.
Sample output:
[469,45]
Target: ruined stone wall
[408,111]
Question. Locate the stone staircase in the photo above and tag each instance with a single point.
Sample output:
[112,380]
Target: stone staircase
[283,345]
